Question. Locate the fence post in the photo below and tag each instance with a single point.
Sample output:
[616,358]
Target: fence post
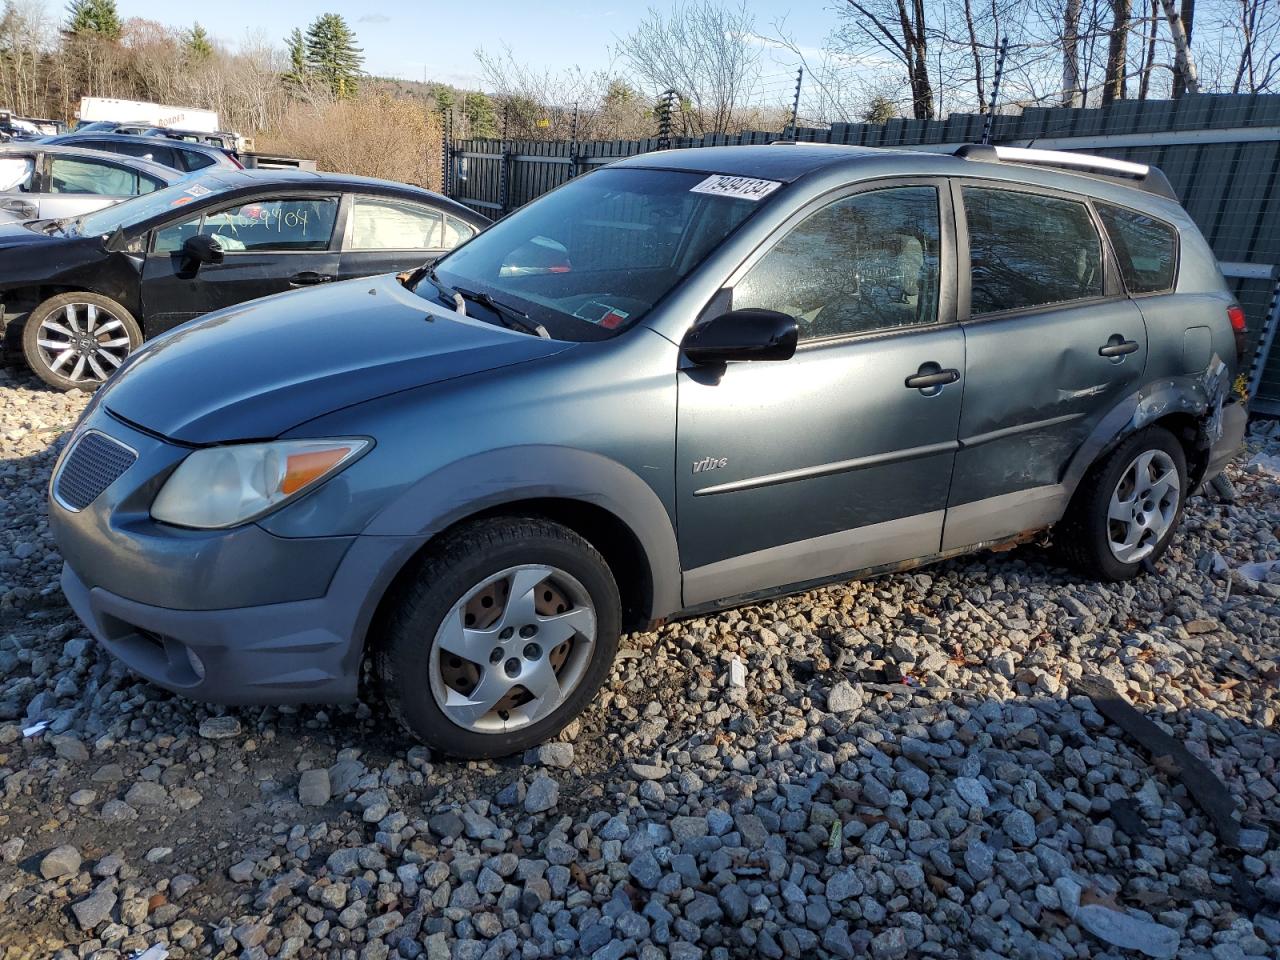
[446,153]
[995,91]
[1266,340]
[795,107]
[665,104]
[573,145]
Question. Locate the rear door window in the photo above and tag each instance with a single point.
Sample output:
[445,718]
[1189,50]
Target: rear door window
[382,224]
[1146,248]
[80,175]
[1029,250]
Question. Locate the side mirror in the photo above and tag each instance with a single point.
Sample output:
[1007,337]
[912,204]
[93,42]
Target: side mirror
[749,334]
[202,248]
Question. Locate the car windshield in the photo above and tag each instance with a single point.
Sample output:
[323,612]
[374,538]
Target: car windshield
[136,210]
[591,258]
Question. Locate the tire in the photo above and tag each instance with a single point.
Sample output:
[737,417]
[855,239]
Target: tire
[74,341]
[1102,545]
[458,598]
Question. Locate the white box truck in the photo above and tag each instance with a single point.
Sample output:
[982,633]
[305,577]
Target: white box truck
[152,114]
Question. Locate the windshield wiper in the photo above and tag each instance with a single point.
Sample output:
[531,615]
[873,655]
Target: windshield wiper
[511,318]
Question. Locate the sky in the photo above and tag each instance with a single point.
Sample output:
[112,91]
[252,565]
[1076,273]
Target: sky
[437,41]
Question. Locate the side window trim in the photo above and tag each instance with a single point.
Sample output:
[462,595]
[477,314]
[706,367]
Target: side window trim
[947,314]
[1112,286]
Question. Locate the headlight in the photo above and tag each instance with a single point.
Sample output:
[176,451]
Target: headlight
[225,486]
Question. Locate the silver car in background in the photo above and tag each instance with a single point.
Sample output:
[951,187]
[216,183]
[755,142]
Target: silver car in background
[45,181]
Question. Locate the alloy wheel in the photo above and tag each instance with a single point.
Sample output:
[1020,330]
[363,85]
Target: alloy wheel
[83,342]
[512,649]
[1143,506]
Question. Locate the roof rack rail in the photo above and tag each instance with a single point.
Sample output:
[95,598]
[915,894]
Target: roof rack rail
[1140,175]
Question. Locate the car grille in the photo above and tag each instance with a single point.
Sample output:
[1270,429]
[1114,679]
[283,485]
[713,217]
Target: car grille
[94,463]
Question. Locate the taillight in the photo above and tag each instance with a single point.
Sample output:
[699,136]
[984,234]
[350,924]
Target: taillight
[1235,313]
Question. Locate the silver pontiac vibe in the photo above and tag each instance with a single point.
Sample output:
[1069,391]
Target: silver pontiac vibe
[684,381]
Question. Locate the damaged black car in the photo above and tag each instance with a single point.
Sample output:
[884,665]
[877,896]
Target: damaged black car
[78,295]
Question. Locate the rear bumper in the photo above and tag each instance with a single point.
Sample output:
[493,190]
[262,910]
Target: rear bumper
[1235,419]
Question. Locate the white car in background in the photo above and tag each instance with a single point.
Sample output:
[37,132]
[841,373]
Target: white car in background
[46,181]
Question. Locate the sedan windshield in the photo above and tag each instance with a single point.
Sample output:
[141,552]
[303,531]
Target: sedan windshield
[134,211]
[591,258]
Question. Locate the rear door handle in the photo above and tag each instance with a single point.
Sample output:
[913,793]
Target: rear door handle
[932,376]
[308,278]
[1117,346]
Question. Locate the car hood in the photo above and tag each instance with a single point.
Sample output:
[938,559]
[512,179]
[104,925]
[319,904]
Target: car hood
[257,370]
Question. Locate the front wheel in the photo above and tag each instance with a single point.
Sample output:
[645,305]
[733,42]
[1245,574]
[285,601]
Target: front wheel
[74,341]
[503,635]
[1127,508]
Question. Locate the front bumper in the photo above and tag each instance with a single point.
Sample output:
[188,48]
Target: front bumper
[303,651]
[229,616]
[1235,419]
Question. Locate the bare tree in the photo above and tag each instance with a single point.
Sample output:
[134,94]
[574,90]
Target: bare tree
[1187,16]
[704,51]
[898,28]
[1114,84]
[1071,94]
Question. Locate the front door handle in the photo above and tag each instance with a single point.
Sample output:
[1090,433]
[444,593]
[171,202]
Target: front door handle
[308,278]
[1117,347]
[23,208]
[931,378]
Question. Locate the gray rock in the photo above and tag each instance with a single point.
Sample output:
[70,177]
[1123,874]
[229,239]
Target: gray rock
[543,794]
[972,792]
[843,698]
[1019,827]
[555,754]
[1128,932]
[95,909]
[645,871]
[63,861]
[219,728]
[313,788]
[146,793]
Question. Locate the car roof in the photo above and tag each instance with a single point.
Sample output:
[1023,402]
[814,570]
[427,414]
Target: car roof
[242,180]
[132,138]
[789,162]
[157,170]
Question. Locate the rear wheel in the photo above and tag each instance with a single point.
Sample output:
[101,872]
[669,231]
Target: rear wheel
[1127,508]
[74,341]
[504,635]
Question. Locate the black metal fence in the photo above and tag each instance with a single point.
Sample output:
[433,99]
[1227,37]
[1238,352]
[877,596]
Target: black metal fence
[1221,153]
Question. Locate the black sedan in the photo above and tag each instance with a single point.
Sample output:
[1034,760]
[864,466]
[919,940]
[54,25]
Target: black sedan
[81,294]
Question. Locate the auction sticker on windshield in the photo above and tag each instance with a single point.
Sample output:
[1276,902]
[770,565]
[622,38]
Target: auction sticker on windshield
[744,188]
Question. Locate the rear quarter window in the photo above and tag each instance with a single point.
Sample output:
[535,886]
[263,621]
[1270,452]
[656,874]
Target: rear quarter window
[1146,248]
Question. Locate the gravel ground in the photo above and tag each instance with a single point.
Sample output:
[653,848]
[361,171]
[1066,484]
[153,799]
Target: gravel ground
[902,770]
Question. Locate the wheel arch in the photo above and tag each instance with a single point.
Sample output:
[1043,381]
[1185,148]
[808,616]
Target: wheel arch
[596,497]
[1181,405]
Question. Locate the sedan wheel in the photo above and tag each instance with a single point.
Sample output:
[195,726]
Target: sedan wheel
[76,341]
[512,649]
[1144,505]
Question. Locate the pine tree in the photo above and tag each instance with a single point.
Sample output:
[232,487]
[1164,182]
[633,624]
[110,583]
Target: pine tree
[332,55]
[481,119]
[94,18]
[296,45]
[198,43]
